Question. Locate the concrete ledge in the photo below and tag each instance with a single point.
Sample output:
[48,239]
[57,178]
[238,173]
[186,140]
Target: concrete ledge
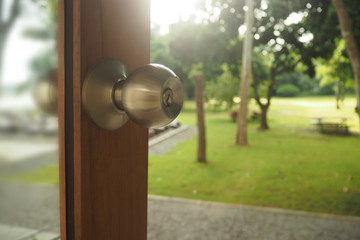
[166,135]
[254,208]
[10,232]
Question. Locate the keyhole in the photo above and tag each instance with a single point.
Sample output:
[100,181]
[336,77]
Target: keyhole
[167,97]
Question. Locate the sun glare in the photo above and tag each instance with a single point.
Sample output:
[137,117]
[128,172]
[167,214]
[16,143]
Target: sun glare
[166,12]
[294,18]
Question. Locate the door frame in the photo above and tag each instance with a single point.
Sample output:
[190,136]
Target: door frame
[103,174]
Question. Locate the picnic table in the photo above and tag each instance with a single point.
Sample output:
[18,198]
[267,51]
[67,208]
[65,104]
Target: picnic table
[331,125]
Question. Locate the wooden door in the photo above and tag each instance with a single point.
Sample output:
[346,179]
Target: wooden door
[103,174]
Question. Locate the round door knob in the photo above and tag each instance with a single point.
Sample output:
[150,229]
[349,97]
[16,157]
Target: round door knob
[151,96]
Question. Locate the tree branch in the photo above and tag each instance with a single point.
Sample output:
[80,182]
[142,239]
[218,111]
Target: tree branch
[15,11]
[255,87]
[271,86]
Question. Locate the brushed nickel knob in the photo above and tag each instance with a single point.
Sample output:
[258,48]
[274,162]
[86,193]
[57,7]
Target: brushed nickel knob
[151,96]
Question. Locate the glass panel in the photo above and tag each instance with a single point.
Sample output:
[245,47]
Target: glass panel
[302,154]
[29,198]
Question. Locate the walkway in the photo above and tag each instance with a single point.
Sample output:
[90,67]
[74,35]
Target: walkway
[176,219]
[182,219]
[30,211]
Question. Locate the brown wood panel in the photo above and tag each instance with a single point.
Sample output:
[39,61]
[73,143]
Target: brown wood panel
[106,171]
[61,111]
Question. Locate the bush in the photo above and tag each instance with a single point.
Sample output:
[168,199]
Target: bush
[327,89]
[304,83]
[288,90]
[234,115]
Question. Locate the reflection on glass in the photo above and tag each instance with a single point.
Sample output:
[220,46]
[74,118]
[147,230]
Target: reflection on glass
[28,125]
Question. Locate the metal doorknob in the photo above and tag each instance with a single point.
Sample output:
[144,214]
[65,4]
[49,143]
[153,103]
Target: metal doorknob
[151,96]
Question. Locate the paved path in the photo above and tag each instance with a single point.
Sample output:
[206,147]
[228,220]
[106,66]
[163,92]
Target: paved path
[30,163]
[32,206]
[164,142]
[26,208]
[23,152]
[180,219]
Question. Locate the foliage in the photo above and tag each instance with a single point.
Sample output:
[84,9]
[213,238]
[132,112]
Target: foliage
[225,88]
[260,71]
[274,28]
[336,72]
[285,42]
[192,42]
[160,53]
[327,89]
[288,90]
[159,48]
[212,38]
[336,69]
[300,80]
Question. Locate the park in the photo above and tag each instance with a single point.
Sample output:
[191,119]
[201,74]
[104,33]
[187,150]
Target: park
[271,105]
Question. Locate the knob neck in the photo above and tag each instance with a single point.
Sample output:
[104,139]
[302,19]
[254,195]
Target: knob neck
[118,93]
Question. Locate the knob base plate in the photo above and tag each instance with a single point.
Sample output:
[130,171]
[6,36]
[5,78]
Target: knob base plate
[97,94]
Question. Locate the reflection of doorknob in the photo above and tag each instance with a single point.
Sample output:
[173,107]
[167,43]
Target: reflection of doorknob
[45,93]
[151,96]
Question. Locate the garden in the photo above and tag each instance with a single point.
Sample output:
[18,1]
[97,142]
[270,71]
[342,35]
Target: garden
[289,166]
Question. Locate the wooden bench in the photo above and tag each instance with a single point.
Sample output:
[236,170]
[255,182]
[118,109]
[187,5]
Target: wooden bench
[332,126]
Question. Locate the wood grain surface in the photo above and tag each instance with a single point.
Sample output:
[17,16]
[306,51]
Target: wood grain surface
[105,172]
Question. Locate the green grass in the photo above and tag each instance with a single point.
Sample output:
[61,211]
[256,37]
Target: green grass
[48,175]
[45,175]
[288,166]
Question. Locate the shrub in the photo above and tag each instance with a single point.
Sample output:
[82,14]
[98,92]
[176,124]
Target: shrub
[234,115]
[298,79]
[288,90]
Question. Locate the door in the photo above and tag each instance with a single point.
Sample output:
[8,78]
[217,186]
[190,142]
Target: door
[103,174]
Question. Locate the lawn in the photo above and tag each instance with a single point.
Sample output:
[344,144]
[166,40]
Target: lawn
[289,166]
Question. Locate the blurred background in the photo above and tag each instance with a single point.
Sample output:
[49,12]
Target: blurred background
[302,127]
[28,134]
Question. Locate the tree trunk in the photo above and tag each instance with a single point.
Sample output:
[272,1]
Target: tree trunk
[351,46]
[264,124]
[5,26]
[2,48]
[201,156]
[337,94]
[342,94]
[241,133]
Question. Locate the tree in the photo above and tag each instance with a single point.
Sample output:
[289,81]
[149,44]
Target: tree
[160,53]
[191,42]
[351,45]
[224,88]
[283,33]
[44,64]
[336,71]
[298,79]
[5,26]
[199,86]
[241,133]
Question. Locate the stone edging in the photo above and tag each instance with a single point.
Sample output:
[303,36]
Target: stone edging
[167,135]
[254,208]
